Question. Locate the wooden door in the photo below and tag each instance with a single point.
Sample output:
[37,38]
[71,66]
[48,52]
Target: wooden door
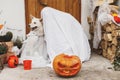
[34,7]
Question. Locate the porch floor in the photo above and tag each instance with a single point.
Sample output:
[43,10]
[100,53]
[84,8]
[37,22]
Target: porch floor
[97,68]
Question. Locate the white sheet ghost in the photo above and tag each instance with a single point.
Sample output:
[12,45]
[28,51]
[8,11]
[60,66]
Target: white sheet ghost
[64,34]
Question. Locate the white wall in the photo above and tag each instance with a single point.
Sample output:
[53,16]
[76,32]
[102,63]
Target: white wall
[13,13]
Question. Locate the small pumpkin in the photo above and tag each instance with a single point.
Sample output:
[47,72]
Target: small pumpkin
[66,66]
[1,26]
[13,61]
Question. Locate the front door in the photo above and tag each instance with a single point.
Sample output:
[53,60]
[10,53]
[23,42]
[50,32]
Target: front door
[34,8]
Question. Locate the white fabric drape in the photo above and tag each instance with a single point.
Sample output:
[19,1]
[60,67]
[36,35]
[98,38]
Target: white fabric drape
[64,34]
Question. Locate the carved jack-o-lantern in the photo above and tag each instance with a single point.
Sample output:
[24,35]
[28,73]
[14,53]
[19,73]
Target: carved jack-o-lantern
[13,61]
[66,66]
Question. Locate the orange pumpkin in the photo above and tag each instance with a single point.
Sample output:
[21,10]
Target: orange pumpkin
[66,66]
[1,26]
[13,61]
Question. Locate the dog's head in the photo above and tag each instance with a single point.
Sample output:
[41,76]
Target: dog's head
[35,23]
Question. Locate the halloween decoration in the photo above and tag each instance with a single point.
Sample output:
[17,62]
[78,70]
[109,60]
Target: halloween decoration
[66,66]
[13,61]
[1,26]
[104,30]
[34,47]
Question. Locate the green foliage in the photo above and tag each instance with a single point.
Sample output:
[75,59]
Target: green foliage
[7,37]
[116,61]
[3,48]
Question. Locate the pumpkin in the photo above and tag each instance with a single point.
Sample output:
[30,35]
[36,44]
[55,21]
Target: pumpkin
[66,66]
[13,61]
[1,26]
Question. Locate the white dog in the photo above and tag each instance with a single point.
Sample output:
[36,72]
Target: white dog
[36,27]
[34,47]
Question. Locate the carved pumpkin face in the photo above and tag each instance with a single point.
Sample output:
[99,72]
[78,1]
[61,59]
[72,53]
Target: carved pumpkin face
[65,65]
[13,61]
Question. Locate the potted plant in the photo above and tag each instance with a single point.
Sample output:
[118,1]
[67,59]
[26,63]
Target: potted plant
[3,51]
[7,37]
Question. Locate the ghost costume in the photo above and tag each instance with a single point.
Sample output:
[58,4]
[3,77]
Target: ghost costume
[64,34]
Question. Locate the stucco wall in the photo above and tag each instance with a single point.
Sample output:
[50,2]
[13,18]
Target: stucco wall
[13,13]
